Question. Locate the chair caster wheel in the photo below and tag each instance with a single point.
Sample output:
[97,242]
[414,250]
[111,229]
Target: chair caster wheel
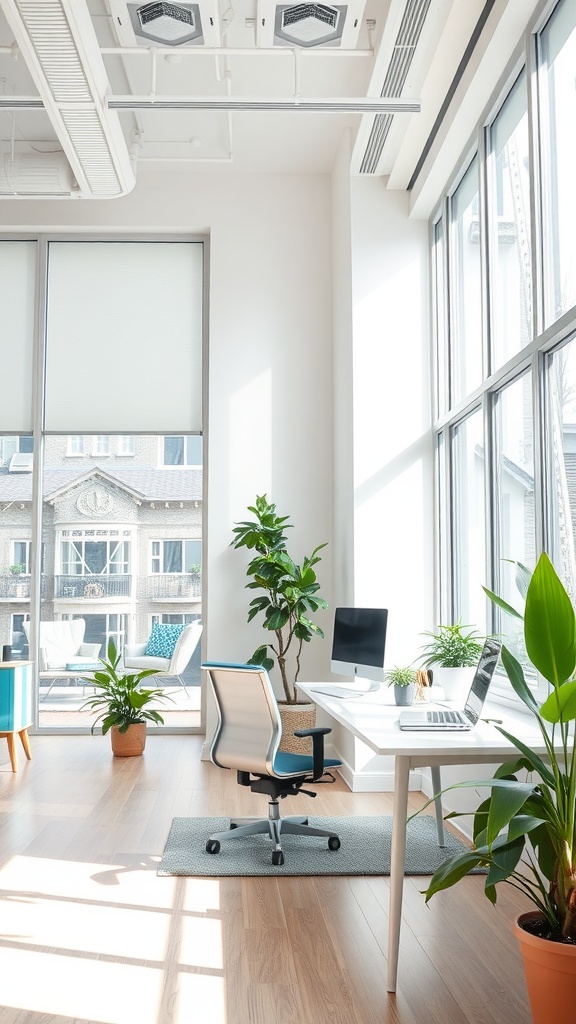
[212,846]
[334,843]
[277,858]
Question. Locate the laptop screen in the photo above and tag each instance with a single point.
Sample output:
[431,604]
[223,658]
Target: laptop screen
[482,679]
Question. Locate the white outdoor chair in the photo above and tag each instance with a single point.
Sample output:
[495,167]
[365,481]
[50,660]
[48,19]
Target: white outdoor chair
[135,656]
[62,651]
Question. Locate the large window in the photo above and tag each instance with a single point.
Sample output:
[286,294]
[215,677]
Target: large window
[110,481]
[506,458]
[557,62]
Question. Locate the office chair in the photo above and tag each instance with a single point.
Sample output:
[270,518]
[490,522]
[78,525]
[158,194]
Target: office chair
[247,739]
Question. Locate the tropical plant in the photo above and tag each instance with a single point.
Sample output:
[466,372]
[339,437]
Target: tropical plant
[402,676]
[525,832]
[290,591]
[120,701]
[451,647]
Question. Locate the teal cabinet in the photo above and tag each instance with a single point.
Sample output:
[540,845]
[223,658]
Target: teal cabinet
[16,705]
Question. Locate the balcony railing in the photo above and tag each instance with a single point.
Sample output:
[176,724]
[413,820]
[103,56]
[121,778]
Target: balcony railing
[90,588]
[17,588]
[185,586]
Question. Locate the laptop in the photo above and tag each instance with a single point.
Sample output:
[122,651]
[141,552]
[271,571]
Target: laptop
[429,720]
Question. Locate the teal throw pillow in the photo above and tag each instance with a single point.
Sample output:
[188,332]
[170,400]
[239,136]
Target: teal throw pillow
[163,639]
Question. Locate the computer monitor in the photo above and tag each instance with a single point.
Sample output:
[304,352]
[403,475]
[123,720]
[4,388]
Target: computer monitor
[359,642]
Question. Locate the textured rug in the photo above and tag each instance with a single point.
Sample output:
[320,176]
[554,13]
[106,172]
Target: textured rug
[365,849]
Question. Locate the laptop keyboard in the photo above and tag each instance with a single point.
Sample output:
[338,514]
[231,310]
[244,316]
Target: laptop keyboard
[447,717]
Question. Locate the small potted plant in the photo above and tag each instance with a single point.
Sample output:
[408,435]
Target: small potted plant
[455,652]
[123,705]
[404,679]
[525,832]
[290,596]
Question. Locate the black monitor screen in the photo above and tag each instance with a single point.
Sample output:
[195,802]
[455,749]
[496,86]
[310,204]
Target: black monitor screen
[360,636]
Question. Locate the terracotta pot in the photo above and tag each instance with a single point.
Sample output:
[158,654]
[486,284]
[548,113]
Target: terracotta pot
[550,970]
[130,743]
[296,716]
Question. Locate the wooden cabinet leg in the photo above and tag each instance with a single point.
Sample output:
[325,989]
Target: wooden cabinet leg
[23,734]
[11,741]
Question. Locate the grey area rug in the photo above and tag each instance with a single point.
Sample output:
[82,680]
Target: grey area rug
[365,849]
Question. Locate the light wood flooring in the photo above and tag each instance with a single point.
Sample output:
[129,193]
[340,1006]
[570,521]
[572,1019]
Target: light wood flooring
[90,935]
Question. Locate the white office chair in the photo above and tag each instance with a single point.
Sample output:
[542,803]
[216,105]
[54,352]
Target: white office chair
[135,655]
[247,739]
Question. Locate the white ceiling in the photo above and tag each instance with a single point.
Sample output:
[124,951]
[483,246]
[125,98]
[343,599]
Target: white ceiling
[245,65]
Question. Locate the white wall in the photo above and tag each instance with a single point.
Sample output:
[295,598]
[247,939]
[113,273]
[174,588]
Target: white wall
[270,367]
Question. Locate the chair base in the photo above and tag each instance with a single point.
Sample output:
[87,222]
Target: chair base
[273,826]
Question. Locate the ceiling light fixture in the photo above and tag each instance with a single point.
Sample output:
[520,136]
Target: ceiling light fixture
[338,105]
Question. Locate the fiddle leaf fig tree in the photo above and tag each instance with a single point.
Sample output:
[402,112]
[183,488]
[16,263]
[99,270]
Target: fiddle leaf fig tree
[290,592]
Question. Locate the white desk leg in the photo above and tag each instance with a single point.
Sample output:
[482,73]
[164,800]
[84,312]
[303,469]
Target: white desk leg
[401,777]
[436,787]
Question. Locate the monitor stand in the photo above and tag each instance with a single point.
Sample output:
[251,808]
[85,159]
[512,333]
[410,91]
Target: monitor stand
[372,684]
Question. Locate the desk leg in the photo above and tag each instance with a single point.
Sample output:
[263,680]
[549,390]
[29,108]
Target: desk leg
[436,787]
[401,777]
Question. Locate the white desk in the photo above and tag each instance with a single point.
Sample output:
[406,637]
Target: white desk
[376,724]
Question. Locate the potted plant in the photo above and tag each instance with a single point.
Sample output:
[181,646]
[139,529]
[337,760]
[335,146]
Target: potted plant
[456,654]
[404,679]
[123,704]
[18,589]
[290,595]
[525,832]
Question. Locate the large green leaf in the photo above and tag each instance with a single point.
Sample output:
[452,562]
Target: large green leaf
[452,870]
[505,857]
[515,674]
[501,603]
[507,799]
[560,705]
[550,624]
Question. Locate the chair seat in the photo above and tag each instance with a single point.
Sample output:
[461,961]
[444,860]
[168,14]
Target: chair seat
[147,661]
[286,763]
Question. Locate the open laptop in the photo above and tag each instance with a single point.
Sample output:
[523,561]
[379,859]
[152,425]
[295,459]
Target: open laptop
[429,719]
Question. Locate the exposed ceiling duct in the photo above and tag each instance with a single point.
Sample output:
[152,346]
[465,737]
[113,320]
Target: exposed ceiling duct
[36,175]
[395,77]
[58,43]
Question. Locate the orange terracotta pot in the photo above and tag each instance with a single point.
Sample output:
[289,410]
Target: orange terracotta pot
[130,743]
[550,970]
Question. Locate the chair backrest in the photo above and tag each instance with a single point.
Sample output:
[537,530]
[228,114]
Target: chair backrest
[187,644]
[249,725]
[59,641]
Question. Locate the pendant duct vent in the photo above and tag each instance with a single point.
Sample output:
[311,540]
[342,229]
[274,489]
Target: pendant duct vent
[309,24]
[166,24]
[33,175]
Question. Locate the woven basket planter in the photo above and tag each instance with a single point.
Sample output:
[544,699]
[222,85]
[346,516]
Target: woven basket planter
[296,716]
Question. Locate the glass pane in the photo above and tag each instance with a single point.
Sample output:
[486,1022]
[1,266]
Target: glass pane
[466,339]
[15,548]
[558,59]
[514,498]
[563,461]
[173,451]
[510,267]
[469,522]
[440,317]
[100,581]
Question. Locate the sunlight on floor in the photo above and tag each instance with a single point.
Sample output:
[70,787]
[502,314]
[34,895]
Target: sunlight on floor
[110,943]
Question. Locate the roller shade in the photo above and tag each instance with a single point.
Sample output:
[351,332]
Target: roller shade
[124,337]
[17,304]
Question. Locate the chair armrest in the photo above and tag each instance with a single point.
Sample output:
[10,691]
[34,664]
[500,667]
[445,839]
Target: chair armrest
[89,651]
[43,660]
[317,734]
[134,650]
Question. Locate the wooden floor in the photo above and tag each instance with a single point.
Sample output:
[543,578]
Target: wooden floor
[89,933]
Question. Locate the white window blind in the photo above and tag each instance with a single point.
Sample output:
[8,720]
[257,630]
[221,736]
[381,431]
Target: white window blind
[17,301]
[124,337]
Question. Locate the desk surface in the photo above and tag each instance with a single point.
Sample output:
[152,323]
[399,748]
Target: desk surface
[374,720]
